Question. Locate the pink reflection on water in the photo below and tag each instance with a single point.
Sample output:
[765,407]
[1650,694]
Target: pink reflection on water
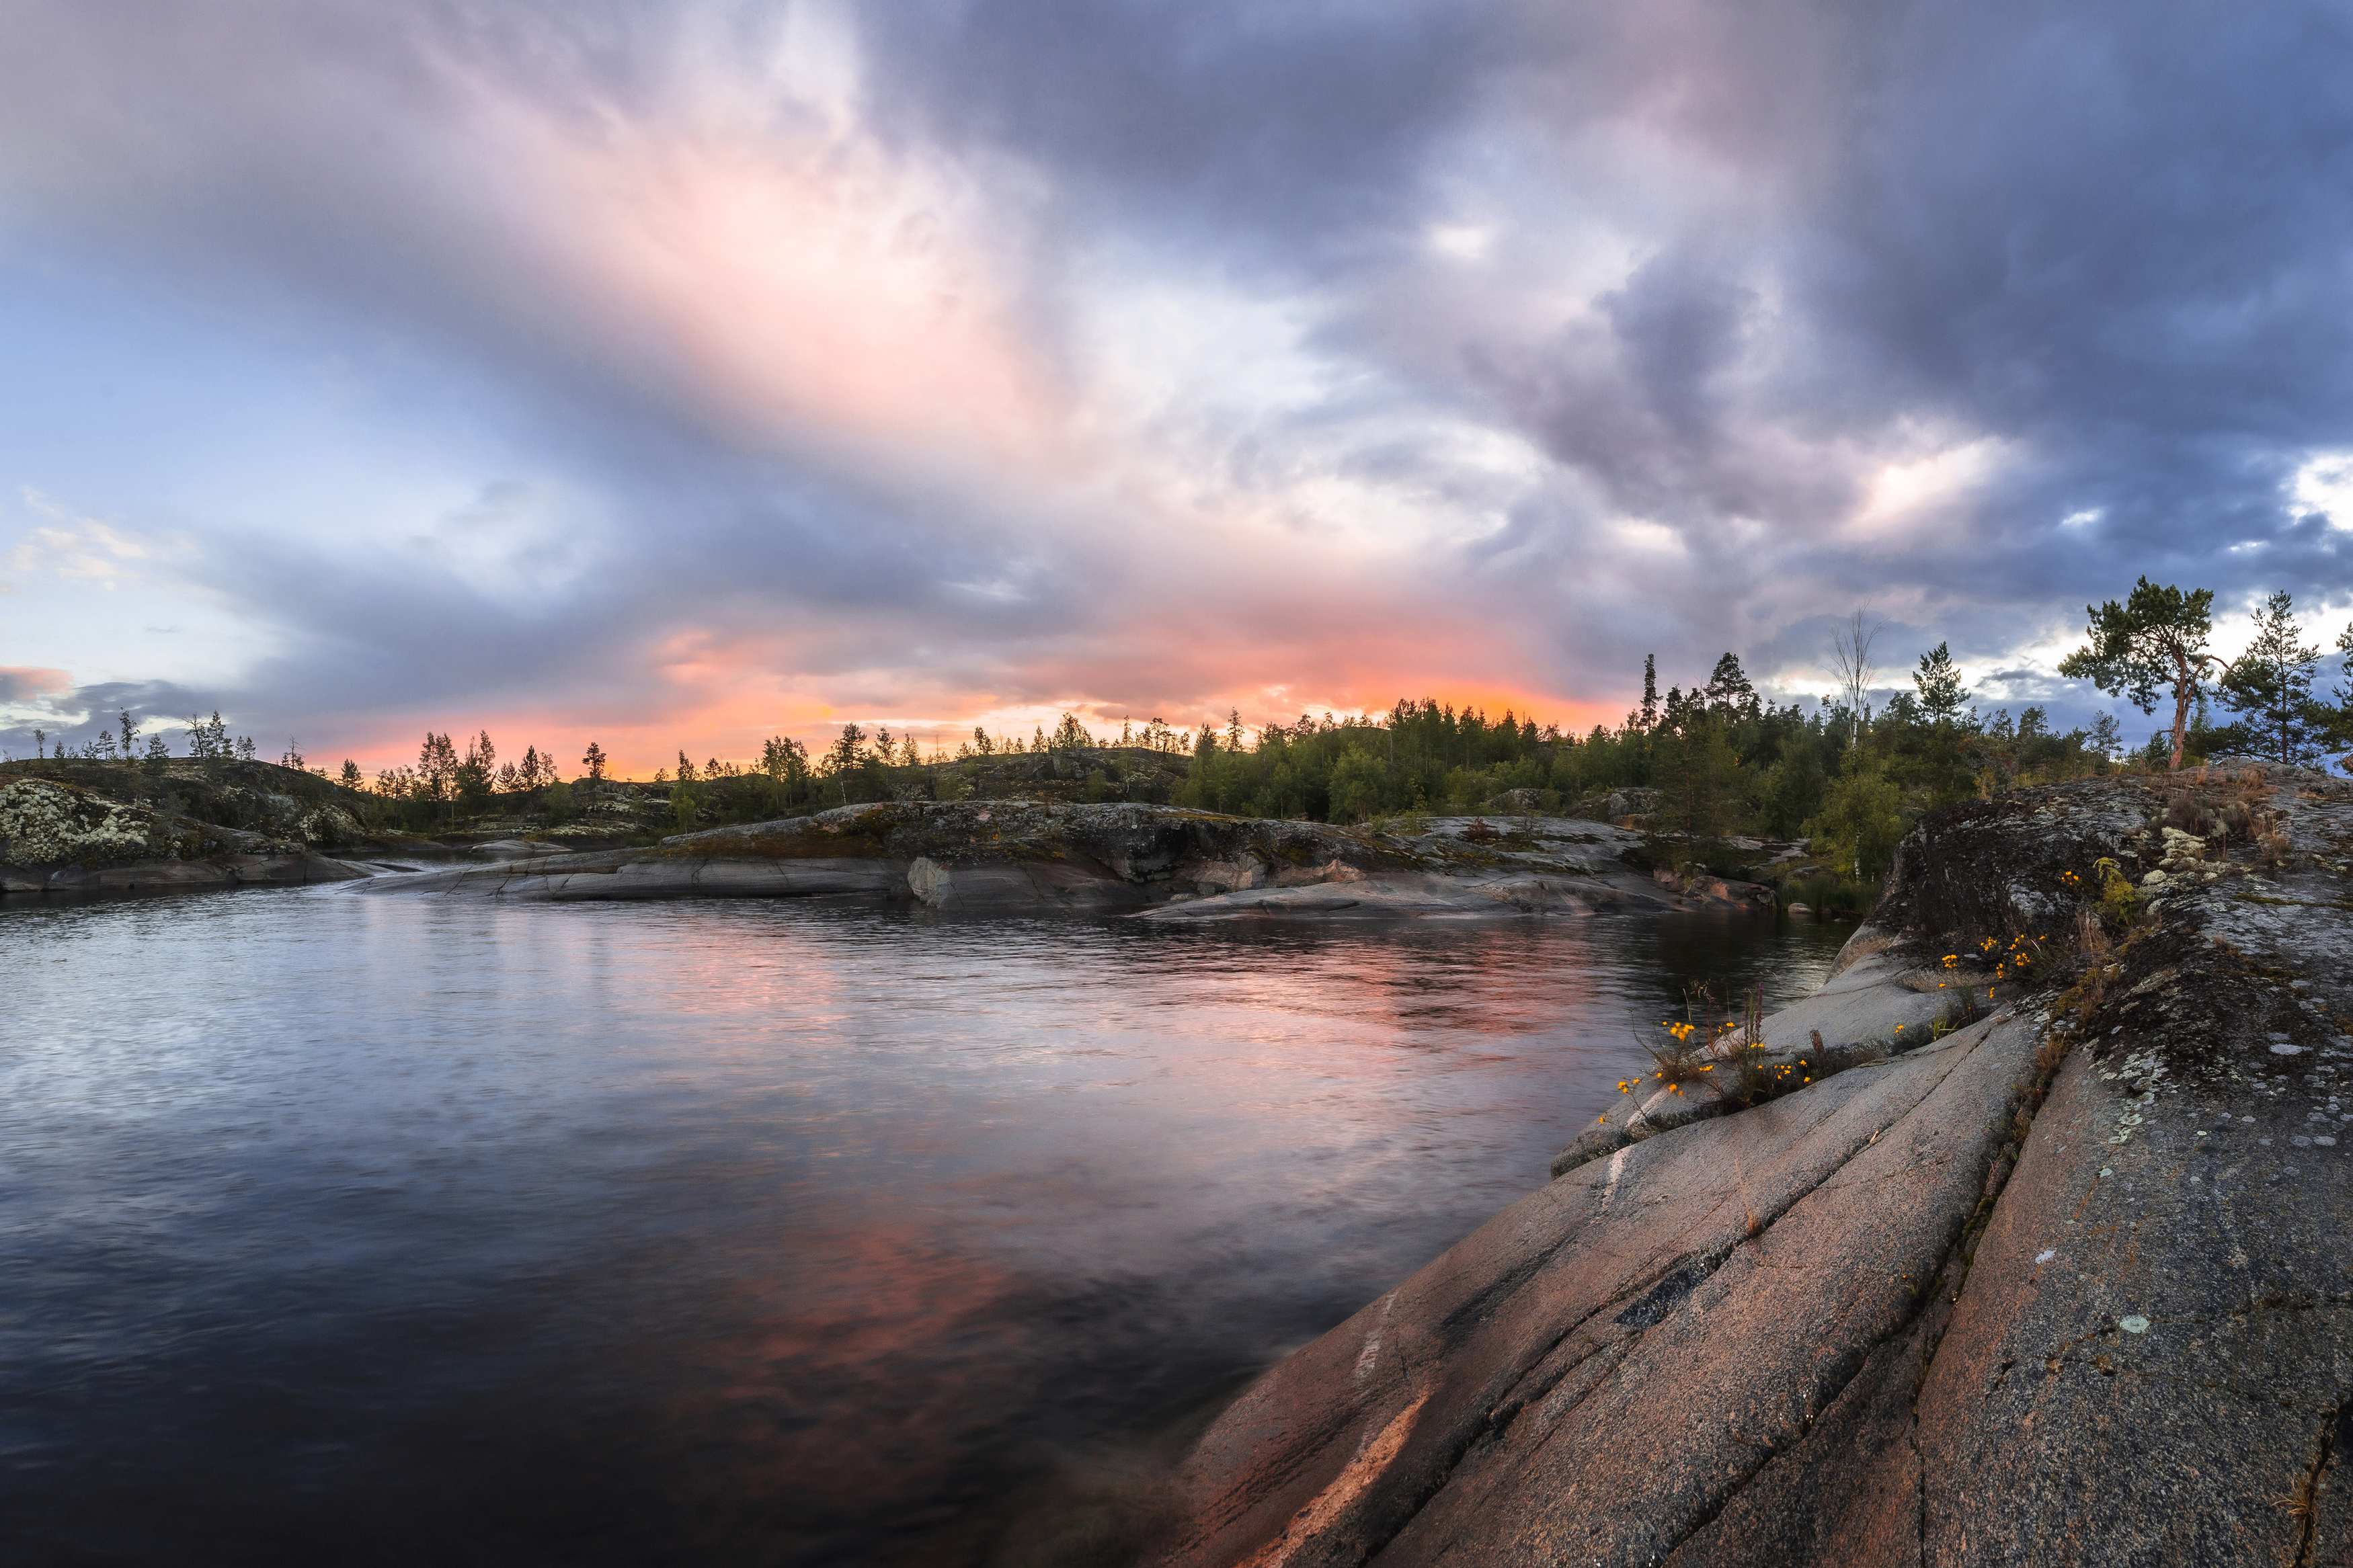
[779,1233]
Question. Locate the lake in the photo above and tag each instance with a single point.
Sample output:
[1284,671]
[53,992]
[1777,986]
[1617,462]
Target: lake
[340,1229]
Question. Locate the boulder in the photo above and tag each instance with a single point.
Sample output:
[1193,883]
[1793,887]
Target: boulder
[1522,801]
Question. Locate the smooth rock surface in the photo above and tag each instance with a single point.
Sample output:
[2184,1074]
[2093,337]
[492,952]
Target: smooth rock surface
[277,870]
[1589,1376]
[2117,1332]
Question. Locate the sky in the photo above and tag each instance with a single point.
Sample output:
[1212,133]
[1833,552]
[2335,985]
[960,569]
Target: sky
[678,375]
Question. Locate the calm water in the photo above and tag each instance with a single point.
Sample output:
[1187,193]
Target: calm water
[340,1229]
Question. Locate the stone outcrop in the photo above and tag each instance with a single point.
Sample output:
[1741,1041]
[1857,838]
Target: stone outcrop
[1163,863]
[75,825]
[1065,776]
[1915,1311]
[58,836]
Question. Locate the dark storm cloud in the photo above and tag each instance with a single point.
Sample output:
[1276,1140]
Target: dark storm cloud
[2112,232]
[1222,124]
[2110,238]
[2105,235]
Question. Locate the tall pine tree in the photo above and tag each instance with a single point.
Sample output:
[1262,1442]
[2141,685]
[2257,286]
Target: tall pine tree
[2271,685]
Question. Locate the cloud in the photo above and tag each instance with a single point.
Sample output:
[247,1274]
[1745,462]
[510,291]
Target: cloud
[48,701]
[19,684]
[980,357]
[78,549]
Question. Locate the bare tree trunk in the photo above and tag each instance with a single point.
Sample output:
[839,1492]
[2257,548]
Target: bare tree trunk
[1851,665]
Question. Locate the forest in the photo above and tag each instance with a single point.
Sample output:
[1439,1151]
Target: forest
[1847,774]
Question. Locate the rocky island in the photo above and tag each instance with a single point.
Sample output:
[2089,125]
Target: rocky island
[2070,1281]
[72,828]
[1157,862]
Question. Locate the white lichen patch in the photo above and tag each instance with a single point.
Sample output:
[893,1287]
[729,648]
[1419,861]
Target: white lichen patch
[47,823]
[2142,1074]
[330,825]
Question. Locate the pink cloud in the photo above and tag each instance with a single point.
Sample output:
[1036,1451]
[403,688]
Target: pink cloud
[24,682]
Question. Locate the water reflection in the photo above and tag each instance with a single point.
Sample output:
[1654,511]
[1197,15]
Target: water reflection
[347,1229]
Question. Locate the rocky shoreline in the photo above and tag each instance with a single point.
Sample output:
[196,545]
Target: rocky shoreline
[1161,863]
[79,828]
[2072,1283]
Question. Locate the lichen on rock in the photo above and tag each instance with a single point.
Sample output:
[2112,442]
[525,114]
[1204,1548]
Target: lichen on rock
[47,824]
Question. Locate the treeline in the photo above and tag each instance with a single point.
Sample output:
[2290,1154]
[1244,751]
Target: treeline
[446,785]
[859,767]
[2152,649]
[1847,773]
[1704,763]
[1701,764]
[473,780]
[208,742]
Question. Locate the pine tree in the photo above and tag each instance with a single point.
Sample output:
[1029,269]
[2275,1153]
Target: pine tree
[1729,688]
[2271,683]
[1938,681]
[437,767]
[594,761]
[2107,736]
[1697,773]
[2155,639]
[1862,820]
[1649,691]
[844,757]
[783,759]
[2340,719]
[209,739]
